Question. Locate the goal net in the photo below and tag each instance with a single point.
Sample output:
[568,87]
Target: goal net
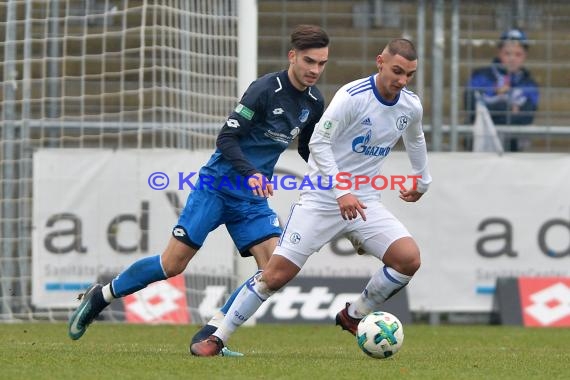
[102,75]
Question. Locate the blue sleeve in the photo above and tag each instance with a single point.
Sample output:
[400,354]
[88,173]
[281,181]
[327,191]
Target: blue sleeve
[303,143]
[238,126]
[228,144]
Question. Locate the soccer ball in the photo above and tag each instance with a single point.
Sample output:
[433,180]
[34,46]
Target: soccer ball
[380,334]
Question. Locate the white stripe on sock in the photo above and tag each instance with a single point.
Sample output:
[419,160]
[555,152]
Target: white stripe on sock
[107,294]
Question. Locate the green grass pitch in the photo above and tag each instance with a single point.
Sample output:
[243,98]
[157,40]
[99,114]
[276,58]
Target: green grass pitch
[119,351]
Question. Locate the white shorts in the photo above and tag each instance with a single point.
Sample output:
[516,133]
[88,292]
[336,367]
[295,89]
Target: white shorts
[309,227]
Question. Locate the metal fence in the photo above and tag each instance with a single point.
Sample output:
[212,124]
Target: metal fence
[453,38]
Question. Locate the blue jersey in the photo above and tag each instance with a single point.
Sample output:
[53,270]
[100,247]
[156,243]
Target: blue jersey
[268,117]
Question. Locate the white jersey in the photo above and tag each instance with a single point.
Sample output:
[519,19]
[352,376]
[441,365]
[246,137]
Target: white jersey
[355,135]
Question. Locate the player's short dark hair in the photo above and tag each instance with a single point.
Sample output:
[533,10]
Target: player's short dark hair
[306,37]
[403,47]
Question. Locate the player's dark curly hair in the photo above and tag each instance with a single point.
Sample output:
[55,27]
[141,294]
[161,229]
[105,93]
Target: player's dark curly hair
[306,37]
[403,47]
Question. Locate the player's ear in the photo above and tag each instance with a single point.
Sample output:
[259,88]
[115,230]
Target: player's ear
[291,56]
[379,62]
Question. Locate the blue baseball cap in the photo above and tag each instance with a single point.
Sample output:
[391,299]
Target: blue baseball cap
[514,35]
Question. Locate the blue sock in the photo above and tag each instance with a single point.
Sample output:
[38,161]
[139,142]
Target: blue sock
[230,300]
[138,276]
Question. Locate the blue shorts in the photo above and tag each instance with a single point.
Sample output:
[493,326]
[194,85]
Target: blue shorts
[248,223]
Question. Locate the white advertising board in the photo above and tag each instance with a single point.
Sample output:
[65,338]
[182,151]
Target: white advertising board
[485,216]
[94,212]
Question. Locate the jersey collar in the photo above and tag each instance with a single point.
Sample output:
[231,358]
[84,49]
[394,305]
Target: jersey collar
[377,93]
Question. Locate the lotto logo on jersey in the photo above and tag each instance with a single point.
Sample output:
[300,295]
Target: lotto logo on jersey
[232,123]
[360,145]
[178,231]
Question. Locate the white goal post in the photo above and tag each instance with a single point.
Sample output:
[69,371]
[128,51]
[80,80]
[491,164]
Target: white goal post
[108,75]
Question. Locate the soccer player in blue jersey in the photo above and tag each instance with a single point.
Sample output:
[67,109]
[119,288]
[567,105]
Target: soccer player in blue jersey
[274,110]
[363,122]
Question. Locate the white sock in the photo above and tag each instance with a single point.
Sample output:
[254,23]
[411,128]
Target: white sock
[107,294]
[383,285]
[246,303]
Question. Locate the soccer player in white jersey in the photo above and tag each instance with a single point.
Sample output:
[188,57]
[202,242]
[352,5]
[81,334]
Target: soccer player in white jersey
[355,135]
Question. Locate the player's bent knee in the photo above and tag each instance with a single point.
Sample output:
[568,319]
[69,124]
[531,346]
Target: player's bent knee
[403,256]
[276,279]
[408,265]
[411,262]
[412,266]
[273,280]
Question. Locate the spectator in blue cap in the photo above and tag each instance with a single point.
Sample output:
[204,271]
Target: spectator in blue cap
[506,87]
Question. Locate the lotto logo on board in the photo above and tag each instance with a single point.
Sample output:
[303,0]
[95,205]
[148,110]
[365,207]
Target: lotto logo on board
[160,302]
[545,301]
